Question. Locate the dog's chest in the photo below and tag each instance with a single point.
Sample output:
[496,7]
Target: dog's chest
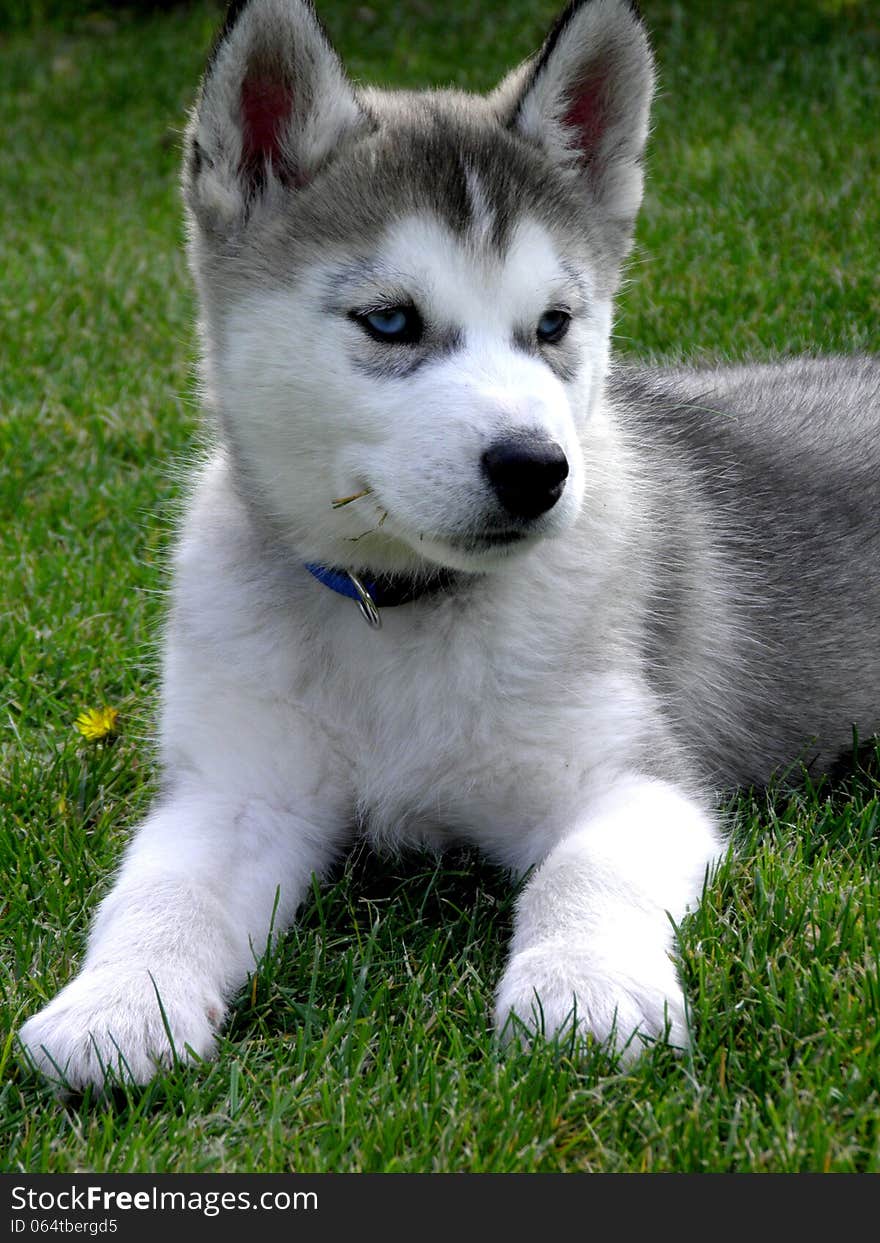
[464,731]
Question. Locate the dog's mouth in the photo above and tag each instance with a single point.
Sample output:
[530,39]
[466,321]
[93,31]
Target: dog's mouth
[482,539]
[476,551]
[387,544]
[488,541]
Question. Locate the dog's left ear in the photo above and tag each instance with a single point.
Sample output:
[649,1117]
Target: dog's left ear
[585,99]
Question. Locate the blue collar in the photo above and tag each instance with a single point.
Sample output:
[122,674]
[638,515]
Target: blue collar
[379,591]
[339,581]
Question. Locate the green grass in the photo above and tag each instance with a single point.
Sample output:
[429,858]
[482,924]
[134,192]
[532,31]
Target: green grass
[363,1042]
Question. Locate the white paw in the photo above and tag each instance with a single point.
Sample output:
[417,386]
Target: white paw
[613,998]
[107,1024]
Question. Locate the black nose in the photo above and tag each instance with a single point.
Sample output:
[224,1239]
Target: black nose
[527,474]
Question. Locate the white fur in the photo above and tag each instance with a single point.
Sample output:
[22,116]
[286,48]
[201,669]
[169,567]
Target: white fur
[417,445]
[469,725]
[594,938]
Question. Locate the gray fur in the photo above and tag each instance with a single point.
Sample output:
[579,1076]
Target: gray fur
[768,478]
[403,153]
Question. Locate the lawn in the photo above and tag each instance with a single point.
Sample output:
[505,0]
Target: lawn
[363,1041]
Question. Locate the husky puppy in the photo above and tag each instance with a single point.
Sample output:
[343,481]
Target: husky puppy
[448,574]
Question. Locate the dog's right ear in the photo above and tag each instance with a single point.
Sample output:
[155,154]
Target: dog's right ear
[274,104]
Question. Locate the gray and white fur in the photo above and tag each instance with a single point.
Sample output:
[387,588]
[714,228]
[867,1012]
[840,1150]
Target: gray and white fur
[635,588]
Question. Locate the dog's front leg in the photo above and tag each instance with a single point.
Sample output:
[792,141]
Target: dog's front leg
[206,879]
[593,942]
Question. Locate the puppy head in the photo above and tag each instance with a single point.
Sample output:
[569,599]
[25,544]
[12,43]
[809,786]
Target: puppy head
[406,297]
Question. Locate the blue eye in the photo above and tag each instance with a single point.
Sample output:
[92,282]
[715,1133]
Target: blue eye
[392,325]
[388,323]
[552,326]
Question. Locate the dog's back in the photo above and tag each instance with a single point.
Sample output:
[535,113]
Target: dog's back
[767,477]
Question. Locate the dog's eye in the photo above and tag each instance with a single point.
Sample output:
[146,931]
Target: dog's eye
[393,325]
[552,326]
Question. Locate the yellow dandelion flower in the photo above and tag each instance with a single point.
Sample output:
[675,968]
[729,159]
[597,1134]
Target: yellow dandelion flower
[96,723]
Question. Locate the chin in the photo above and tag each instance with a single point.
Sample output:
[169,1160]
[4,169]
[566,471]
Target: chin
[478,553]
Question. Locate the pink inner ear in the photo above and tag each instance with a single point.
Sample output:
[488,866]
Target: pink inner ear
[265,105]
[587,115]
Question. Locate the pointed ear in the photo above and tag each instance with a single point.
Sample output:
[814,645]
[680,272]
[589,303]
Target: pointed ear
[274,104]
[585,99]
